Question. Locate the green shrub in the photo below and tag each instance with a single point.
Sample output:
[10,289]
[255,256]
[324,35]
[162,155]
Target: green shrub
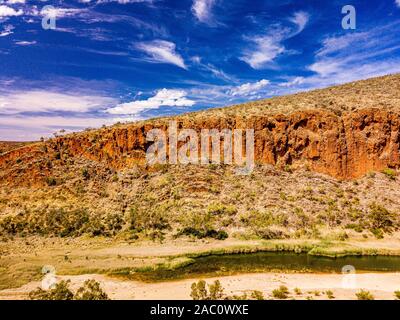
[257,295]
[201,225]
[201,234]
[107,225]
[397,294]
[288,168]
[364,295]
[269,234]
[56,222]
[61,291]
[150,220]
[51,182]
[216,291]
[220,209]
[356,227]
[390,173]
[297,291]
[380,218]
[329,294]
[90,290]
[259,219]
[378,233]
[281,293]
[85,173]
[199,291]
[62,223]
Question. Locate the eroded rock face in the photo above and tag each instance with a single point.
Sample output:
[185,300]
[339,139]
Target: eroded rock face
[344,146]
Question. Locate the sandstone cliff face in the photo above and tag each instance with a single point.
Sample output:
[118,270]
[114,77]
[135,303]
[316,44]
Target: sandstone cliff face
[344,146]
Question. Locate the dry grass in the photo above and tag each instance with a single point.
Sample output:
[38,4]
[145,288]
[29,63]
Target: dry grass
[6,146]
[269,204]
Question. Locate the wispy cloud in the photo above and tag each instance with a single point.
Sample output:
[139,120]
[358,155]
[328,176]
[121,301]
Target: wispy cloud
[45,101]
[398,3]
[300,19]
[7,30]
[90,16]
[249,89]
[119,1]
[295,81]
[202,9]
[264,49]
[164,97]
[353,55]
[335,44]
[208,95]
[161,51]
[25,43]
[60,12]
[216,72]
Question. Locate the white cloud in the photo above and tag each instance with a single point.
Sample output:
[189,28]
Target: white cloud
[8,29]
[351,72]
[293,82]
[25,43]
[398,3]
[262,50]
[60,12]
[342,53]
[45,101]
[10,12]
[15,1]
[218,73]
[202,9]
[249,89]
[301,19]
[335,43]
[326,67]
[161,51]
[122,1]
[164,97]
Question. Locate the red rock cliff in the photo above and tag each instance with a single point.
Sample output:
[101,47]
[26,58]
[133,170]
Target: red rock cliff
[344,146]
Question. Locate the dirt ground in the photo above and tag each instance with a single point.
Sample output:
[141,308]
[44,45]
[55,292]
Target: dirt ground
[312,286]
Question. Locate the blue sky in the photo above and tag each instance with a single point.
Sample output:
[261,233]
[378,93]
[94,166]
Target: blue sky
[124,60]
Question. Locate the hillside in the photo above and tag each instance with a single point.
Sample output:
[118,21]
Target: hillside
[6,146]
[344,131]
[309,147]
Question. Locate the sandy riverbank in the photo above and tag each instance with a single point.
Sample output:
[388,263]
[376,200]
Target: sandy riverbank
[381,285]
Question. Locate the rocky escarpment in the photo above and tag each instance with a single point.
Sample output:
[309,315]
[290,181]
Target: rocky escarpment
[344,146]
